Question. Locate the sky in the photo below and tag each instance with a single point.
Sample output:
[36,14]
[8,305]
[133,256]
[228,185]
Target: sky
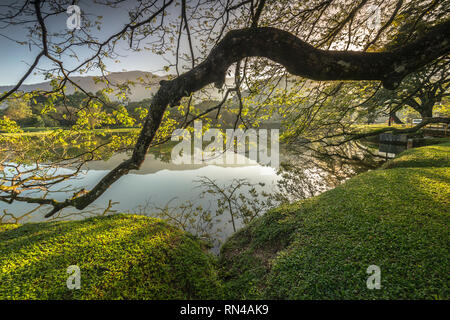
[15,58]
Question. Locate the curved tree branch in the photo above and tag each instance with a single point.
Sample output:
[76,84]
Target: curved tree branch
[298,57]
[417,127]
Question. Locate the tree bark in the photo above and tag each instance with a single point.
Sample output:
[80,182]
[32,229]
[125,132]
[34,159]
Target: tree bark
[396,119]
[426,111]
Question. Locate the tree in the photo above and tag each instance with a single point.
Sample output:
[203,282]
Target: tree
[37,121]
[18,110]
[422,90]
[254,38]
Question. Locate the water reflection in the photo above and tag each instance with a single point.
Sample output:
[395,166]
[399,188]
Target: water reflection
[159,182]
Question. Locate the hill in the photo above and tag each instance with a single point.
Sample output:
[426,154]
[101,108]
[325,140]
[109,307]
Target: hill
[321,247]
[139,91]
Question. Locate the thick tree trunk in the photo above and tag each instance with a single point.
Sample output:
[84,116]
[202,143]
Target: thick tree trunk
[395,119]
[426,112]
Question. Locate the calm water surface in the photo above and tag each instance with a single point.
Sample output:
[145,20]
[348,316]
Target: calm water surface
[159,183]
[156,183]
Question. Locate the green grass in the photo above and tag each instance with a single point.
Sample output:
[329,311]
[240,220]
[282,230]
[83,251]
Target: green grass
[46,131]
[429,156]
[38,129]
[320,248]
[119,256]
[431,141]
[396,217]
[362,128]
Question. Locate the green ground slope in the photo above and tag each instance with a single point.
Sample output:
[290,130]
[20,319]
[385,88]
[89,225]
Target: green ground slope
[320,248]
[396,218]
[120,257]
[431,156]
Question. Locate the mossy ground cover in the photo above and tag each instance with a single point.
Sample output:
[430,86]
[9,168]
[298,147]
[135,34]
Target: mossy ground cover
[320,248]
[431,156]
[431,141]
[119,256]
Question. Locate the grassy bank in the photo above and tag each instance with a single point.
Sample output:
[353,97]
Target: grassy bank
[120,257]
[396,217]
[32,132]
[430,156]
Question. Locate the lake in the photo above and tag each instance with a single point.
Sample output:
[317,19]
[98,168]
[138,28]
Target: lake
[160,184]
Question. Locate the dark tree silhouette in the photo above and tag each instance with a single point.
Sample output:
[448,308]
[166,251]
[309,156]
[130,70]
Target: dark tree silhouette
[302,46]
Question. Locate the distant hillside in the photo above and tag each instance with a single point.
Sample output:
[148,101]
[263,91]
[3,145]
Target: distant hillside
[138,91]
[146,84]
